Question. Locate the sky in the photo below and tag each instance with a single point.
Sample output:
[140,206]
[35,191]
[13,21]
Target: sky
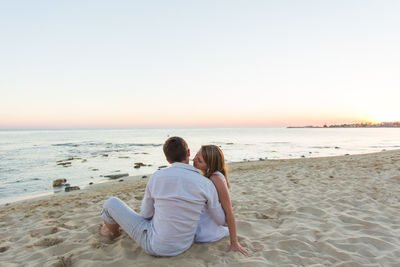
[123,64]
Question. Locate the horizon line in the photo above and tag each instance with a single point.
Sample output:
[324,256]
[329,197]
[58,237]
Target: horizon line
[138,127]
[171,127]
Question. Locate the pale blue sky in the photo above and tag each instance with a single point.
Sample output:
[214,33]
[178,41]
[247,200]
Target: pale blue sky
[198,63]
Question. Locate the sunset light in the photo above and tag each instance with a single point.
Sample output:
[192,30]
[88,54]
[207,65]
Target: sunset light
[387,117]
[166,69]
[200,133]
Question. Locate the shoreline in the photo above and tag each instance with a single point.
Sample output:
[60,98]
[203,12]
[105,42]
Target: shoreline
[322,211]
[61,193]
[33,161]
[130,177]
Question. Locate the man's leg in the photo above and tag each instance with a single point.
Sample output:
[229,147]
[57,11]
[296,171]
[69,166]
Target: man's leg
[116,213]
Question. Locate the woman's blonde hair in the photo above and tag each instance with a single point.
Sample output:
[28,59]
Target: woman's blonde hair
[215,160]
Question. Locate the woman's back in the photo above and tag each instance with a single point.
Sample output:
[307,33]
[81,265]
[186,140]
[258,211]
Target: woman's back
[208,230]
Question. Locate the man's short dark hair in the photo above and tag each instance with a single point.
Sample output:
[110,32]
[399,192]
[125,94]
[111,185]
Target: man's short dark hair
[175,149]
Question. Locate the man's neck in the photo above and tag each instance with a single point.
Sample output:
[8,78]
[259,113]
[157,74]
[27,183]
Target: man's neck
[184,162]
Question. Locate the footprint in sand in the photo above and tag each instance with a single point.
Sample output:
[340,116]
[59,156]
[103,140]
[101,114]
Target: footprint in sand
[54,214]
[64,261]
[97,244]
[293,245]
[313,211]
[44,231]
[36,234]
[48,242]
[379,244]
[262,216]
[353,220]
[69,227]
[395,179]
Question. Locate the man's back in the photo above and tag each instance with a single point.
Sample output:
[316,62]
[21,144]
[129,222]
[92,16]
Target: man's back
[175,198]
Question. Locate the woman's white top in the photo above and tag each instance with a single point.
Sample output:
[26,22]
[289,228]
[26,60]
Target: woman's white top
[208,230]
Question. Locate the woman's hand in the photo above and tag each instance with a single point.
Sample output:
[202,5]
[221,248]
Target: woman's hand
[237,247]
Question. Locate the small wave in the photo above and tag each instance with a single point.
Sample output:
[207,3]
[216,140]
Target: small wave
[95,144]
[69,159]
[7,170]
[23,180]
[111,145]
[153,145]
[121,150]
[66,144]
[384,146]
[90,143]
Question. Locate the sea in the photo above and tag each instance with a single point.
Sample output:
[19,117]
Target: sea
[31,159]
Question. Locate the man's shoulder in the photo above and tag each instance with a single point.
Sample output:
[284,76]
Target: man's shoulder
[181,173]
[163,172]
[158,172]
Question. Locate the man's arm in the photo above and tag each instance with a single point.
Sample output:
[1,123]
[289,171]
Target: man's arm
[147,209]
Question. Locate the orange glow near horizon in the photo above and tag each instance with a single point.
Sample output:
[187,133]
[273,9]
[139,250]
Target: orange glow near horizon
[113,119]
[385,117]
[310,69]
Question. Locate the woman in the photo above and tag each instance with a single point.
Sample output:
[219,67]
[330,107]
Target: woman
[211,162]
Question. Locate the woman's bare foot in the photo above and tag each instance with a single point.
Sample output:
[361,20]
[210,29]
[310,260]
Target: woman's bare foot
[103,230]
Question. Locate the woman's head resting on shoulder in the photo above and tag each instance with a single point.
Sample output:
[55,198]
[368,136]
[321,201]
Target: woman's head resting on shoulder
[210,159]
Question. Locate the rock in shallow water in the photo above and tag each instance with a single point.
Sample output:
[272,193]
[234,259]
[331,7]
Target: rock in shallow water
[138,165]
[65,164]
[116,176]
[72,188]
[59,182]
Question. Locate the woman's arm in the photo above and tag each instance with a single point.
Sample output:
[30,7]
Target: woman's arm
[225,200]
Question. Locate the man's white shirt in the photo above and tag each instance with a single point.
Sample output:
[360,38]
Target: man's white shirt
[174,199]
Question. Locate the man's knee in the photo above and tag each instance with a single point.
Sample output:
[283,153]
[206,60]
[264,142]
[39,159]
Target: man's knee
[112,201]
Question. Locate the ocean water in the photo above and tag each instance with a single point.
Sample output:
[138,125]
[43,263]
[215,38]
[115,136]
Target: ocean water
[29,159]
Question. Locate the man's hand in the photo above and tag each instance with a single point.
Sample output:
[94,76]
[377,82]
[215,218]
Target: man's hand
[237,247]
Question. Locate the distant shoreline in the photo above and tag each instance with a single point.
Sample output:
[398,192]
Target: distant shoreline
[394,124]
[319,127]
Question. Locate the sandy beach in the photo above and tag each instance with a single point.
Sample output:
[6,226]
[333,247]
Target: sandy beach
[333,211]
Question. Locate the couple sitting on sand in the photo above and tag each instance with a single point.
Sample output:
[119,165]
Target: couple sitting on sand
[180,206]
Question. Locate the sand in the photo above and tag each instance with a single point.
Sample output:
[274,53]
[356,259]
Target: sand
[334,211]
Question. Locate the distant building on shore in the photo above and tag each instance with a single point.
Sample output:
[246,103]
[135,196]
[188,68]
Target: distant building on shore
[395,124]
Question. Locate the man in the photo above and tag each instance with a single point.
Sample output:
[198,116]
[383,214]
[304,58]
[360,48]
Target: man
[173,202]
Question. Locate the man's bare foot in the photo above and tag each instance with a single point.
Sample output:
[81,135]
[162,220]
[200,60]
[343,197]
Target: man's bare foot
[103,230]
